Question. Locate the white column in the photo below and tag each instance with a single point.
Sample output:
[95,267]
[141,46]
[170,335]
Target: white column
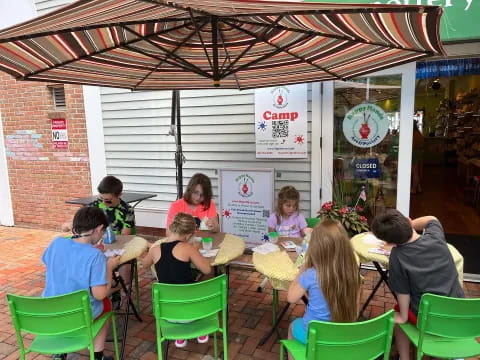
[316,152]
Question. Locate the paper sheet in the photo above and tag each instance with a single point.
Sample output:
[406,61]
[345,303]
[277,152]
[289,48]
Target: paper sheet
[209,253]
[379,251]
[371,239]
[266,248]
[203,224]
[114,252]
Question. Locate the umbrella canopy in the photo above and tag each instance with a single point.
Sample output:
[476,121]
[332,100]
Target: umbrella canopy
[192,44]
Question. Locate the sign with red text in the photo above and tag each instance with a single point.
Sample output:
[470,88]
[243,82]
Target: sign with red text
[59,133]
[246,202]
[281,122]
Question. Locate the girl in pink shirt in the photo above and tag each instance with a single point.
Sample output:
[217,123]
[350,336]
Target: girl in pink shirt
[196,201]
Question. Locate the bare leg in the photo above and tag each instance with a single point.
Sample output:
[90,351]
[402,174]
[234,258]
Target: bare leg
[403,343]
[99,341]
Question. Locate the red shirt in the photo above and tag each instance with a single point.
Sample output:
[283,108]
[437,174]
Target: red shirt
[182,206]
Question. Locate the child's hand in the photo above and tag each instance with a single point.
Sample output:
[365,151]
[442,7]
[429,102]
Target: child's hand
[387,246]
[99,246]
[113,262]
[210,223]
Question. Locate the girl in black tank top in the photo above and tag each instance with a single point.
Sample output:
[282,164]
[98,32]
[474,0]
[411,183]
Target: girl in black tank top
[172,259]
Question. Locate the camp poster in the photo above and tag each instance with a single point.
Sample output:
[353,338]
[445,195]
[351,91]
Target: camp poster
[281,122]
[246,201]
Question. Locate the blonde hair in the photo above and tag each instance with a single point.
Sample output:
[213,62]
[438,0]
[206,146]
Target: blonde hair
[286,193]
[332,256]
[183,224]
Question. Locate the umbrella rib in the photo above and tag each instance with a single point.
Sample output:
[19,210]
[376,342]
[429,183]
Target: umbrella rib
[277,50]
[175,56]
[333,36]
[93,27]
[166,58]
[97,52]
[200,37]
[284,48]
[227,57]
[256,39]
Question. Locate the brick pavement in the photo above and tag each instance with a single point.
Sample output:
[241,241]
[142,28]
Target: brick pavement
[21,272]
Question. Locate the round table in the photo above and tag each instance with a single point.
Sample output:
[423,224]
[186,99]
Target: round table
[229,246]
[362,250]
[279,266]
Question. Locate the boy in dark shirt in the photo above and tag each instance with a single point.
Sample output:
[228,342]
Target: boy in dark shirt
[418,264]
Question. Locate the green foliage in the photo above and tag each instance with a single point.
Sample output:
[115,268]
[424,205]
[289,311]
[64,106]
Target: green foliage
[351,217]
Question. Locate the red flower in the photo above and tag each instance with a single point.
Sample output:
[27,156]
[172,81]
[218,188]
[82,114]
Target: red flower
[363,218]
[343,210]
[327,205]
[358,208]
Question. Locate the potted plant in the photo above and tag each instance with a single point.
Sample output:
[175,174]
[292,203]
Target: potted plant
[352,218]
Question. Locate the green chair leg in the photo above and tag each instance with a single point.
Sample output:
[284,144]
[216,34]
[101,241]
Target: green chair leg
[274,305]
[215,345]
[115,339]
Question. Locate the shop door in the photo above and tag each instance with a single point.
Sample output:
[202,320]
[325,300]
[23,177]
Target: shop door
[367,136]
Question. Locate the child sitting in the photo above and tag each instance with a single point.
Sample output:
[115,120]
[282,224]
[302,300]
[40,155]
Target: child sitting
[287,220]
[172,259]
[418,264]
[330,277]
[75,264]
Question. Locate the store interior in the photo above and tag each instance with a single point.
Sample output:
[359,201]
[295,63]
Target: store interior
[446,158]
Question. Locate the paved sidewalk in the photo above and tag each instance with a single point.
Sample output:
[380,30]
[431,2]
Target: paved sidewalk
[21,272]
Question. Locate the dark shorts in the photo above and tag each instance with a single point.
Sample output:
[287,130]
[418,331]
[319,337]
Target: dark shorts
[107,307]
[412,318]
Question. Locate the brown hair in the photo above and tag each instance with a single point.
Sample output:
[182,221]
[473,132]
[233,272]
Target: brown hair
[204,181]
[286,193]
[183,224]
[110,185]
[331,255]
[392,227]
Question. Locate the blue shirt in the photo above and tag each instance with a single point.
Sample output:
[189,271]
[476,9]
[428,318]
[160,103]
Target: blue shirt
[317,308]
[73,266]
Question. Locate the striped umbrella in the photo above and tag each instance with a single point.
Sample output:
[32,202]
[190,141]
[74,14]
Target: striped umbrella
[196,44]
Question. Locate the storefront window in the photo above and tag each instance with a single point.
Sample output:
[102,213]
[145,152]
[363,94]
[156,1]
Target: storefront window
[366,140]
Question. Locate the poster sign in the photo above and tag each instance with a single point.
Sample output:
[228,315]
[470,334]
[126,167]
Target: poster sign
[246,201]
[367,168]
[453,67]
[59,133]
[365,125]
[281,122]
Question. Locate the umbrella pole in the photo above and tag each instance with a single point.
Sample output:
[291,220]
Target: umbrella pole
[179,153]
[175,129]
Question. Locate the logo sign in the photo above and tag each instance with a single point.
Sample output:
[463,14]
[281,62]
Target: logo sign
[365,125]
[59,133]
[281,122]
[367,168]
[245,185]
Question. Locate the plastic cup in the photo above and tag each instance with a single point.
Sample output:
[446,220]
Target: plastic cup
[207,243]
[109,236]
[273,237]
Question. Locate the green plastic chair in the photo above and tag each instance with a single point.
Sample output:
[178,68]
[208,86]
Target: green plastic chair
[197,304]
[311,222]
[61,324]
[356,341]
[446,327]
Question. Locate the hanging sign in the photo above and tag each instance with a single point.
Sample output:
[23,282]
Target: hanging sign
[59,133]
[281,122]
[454,67]
[246,201]
[366,168]
[365,125]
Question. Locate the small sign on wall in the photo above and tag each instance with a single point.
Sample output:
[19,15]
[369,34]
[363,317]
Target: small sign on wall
[281,122]
[59,133]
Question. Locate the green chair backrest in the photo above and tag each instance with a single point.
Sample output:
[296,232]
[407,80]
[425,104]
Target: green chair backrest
[448,317]
[360,340]
[311,222]
[57,315]
[188,302]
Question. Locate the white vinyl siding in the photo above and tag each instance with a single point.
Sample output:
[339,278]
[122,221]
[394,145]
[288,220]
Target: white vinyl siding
[218,131]
[46,6]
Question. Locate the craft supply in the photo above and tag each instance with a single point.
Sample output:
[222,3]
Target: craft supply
[207,243]
[209,253]
[379,251]
[203,224]
[114,252]
[289,245]
[266,248]
[273,237]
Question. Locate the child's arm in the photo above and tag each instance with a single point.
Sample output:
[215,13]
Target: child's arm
[295,290]
[200,262]
[420,223]
[212,224]
[149,259]
[404,304]
[100,292]
[126,231]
